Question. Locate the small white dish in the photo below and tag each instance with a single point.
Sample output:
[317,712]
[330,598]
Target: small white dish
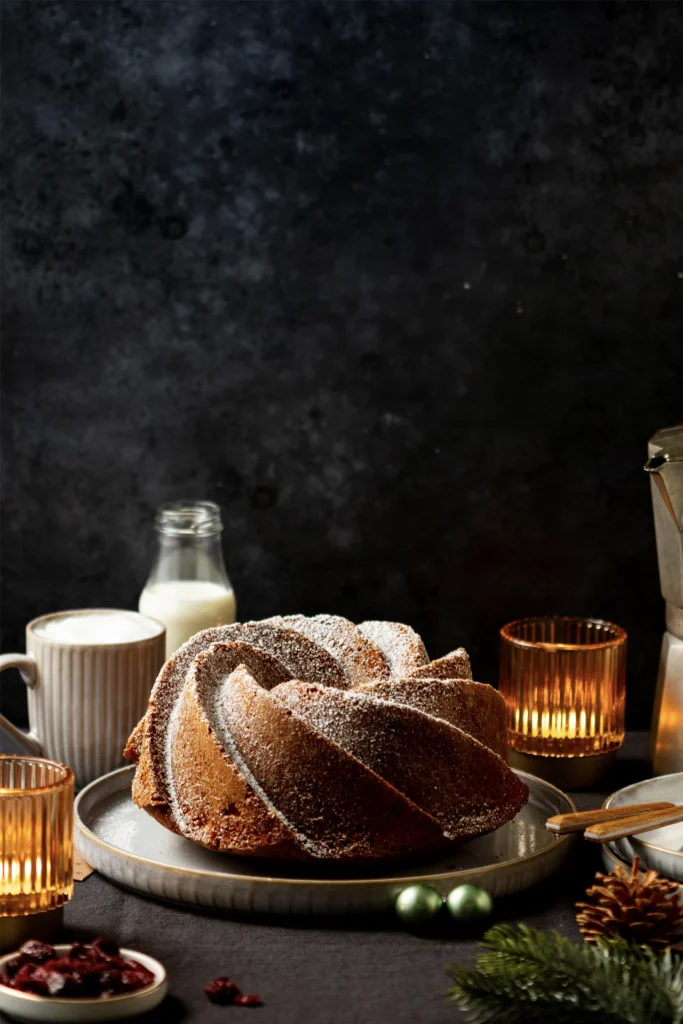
[662,848]
[28,1006]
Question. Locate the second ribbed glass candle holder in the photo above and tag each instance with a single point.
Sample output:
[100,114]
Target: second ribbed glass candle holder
[36,835]
[564,684]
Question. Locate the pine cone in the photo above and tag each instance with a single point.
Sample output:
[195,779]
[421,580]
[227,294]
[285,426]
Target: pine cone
[647,910]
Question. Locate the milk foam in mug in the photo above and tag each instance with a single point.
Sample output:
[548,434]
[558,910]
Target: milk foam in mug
[89,674]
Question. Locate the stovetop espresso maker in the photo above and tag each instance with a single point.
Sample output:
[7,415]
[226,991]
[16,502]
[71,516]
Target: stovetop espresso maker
[665,466]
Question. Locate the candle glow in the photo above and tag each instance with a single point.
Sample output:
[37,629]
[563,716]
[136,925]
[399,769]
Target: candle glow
[563,681]
[36,835]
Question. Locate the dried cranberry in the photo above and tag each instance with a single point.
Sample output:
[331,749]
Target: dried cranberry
[129,981]
[108,982]
[12,966]
[86,967]
[105,947]
[25,981]
[222,991]
[61,966]
[35,952]
[248,999]
[79,952]
[97,970]
[75,986]
[111,963]
[144,976]
[92,982]
[58,982]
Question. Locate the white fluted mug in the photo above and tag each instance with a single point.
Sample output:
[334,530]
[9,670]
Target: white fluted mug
[85,696]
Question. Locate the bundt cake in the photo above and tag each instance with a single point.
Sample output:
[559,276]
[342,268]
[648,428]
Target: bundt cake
[303,738]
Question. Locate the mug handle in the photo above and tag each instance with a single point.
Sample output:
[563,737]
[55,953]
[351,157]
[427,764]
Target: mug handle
[29,673]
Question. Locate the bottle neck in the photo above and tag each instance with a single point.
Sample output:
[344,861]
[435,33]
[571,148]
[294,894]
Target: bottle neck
[188,519]
[189,544]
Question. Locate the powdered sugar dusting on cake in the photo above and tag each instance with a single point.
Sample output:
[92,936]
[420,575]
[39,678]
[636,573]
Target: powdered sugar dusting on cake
[361,772]
[304,658]
[361,659]
[446,772]
[164,702]
[402,646]
[337,805]
[455,665]
[171,731]
[476,708]
[216,711]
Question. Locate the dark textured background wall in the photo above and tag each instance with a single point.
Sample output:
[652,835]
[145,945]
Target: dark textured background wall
[399,284]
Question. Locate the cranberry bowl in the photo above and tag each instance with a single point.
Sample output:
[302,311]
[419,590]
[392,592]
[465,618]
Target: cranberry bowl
[74,982]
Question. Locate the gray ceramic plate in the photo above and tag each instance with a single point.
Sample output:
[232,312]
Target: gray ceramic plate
[129,847]
[662,848]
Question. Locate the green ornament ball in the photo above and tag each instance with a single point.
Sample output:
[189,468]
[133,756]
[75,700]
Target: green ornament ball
[469,905]
[418,904]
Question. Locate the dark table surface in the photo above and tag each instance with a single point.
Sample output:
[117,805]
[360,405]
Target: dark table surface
[366,970]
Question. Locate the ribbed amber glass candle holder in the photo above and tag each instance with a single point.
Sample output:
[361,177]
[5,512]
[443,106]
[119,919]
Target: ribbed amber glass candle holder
[564,684]
[36,835]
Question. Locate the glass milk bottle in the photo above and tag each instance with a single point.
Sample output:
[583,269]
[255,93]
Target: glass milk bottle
[188,588]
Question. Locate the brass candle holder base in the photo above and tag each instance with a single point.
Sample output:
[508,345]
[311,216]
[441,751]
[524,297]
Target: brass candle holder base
[565,772]
[44,925]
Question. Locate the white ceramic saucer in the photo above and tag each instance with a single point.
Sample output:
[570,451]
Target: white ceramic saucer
[662,848]
[27,1006]
[128,846]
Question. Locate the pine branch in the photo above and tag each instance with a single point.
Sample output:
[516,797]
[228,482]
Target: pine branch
[524,975]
